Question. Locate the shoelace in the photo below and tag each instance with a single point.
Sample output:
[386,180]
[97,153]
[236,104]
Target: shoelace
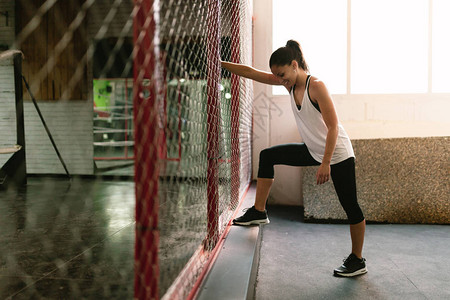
[245,209]
[248,208]
[348,259]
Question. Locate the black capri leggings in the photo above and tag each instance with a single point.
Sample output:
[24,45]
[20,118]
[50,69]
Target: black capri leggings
[343,173]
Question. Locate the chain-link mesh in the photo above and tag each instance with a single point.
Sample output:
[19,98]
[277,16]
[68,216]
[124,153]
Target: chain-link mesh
[115,78]
[203,120]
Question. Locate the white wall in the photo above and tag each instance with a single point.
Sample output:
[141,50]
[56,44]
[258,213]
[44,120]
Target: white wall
[273,122]
[363,116]
[394,116]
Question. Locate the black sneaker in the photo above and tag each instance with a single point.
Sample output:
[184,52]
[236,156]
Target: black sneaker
[252,217]
[352,266]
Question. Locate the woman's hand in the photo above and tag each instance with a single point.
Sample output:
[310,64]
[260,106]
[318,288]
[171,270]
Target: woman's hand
[323,174]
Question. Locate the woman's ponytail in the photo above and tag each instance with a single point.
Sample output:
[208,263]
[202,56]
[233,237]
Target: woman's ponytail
[285,55]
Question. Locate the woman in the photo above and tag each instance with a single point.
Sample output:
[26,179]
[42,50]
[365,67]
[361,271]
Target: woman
[326,144]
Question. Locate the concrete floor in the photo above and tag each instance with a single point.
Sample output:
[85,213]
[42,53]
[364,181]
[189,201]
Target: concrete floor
[64,239]
[75,240]
[404,261]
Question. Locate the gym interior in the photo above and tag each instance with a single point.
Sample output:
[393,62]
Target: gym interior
[127,151]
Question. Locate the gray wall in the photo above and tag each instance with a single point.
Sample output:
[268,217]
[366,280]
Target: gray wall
[7,104]
[71,126]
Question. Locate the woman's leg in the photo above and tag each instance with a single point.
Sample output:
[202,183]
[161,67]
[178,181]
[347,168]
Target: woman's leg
[263,186]
[344,180]
[357,235]
[286,154]
[343,175]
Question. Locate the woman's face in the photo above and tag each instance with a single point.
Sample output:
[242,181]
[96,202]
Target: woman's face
[286,73]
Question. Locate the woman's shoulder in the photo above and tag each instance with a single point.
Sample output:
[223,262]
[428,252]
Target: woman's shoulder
[317,86]
[317,89]
[316,83]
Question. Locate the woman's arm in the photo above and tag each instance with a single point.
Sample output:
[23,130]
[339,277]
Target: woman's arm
[251,73]
[320,94]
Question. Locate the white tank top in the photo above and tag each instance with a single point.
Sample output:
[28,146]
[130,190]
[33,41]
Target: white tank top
[313,130]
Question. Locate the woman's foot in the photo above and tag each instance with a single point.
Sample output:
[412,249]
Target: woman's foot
[353,266]
[252,216]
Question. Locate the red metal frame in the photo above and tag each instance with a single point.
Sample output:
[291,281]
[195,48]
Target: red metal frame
[148,134]
[113,158]
[213,44]
[150,144]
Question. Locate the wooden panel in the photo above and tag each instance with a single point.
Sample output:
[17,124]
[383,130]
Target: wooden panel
[45,42]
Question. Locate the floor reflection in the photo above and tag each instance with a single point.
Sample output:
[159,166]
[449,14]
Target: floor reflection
[62,239]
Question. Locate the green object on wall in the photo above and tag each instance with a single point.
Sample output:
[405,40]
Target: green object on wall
[102,94]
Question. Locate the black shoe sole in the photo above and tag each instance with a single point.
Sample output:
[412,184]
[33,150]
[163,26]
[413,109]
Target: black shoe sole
[353,274]
[252,222]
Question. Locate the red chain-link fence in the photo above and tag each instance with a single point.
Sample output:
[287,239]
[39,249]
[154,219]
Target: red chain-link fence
[192,137]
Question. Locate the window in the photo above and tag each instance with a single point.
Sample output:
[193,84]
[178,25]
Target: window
[389,46]
[320,27]
[369,47]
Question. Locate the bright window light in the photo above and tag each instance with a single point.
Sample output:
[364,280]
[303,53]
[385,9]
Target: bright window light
[389,46]
[441,47]
[320,26]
